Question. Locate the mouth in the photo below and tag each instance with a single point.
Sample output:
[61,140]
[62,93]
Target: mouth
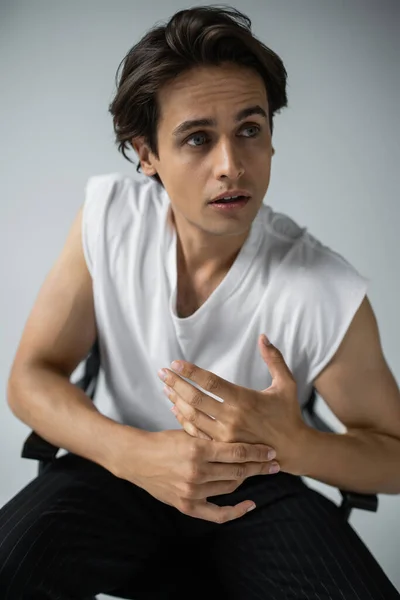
[233,198]
[231,195]
[232,203]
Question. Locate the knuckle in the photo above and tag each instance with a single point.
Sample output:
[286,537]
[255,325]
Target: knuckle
[185,506]
[276,355]
[197,399]
[191,416]
[193,472]
[194,451]
[212,383]
[187,491]
[239,472]
[172,379]
[261,453]
[240,452]
[221,517]
[190,370]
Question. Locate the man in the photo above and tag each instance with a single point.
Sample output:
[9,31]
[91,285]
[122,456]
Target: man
[192,266]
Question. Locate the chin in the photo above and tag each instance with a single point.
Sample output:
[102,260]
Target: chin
[227,229]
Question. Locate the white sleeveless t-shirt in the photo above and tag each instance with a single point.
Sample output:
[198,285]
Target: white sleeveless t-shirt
[284,283]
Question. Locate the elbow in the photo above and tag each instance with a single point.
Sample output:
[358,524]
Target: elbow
[18,393]
[13,395]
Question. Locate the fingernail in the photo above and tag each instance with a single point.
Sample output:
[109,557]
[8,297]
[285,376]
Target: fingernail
[177,366]
[252,507]
[162,374]
[266,340]
[174,410]
[274,469]
[271,455]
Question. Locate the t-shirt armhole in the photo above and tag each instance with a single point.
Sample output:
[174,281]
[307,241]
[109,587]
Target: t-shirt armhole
[346,312]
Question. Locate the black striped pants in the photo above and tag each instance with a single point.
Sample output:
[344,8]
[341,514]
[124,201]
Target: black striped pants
[77,530]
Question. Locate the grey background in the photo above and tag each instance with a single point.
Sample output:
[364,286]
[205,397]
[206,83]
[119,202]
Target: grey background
[335,169]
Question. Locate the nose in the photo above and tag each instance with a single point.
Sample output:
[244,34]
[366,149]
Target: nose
[227,161]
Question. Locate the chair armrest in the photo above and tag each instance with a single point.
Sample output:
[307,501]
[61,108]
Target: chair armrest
[37,448]
[352,500]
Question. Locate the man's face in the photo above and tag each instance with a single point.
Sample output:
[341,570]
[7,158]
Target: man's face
[198,162]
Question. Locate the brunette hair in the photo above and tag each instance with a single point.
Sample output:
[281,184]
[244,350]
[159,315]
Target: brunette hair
[200,36]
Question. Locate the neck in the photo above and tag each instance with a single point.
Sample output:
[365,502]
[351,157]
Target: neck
[202,253]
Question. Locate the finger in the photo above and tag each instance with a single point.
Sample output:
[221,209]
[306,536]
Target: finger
[190,394]
[220,514]
[237,471]
[205,490]
[210,382]
[277,366]
[189,427]
[238,452]
[192,415]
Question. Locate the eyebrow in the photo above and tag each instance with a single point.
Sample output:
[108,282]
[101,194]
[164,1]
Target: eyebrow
[242,114]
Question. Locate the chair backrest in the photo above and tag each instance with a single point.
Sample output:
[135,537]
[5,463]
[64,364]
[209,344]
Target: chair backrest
[89,380]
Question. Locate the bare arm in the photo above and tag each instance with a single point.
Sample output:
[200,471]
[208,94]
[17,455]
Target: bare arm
[58,335]
[170,465]
[363,393]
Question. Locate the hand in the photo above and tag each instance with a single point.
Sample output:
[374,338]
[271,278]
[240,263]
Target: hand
[272,416]
[183,471]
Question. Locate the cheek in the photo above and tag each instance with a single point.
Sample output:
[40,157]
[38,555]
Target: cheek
[264,159]
[264,167]
[184,190]
[182,165]
[258,168]
[187,175]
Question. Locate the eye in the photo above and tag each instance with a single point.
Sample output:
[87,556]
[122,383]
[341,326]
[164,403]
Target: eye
[194,137]
[255,127]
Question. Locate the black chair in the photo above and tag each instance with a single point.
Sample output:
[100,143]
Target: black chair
[157,588]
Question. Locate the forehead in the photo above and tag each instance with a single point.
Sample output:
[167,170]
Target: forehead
[205,91]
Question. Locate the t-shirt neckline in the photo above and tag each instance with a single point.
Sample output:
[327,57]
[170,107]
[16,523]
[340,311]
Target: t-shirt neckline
[230,281]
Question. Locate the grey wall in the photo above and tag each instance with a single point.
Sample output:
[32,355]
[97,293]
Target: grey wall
[335,168]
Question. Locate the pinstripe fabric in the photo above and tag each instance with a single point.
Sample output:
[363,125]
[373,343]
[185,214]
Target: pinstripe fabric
[294,545]
[76,531]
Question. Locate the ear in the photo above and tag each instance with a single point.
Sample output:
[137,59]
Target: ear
[273,150]
[146,157]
